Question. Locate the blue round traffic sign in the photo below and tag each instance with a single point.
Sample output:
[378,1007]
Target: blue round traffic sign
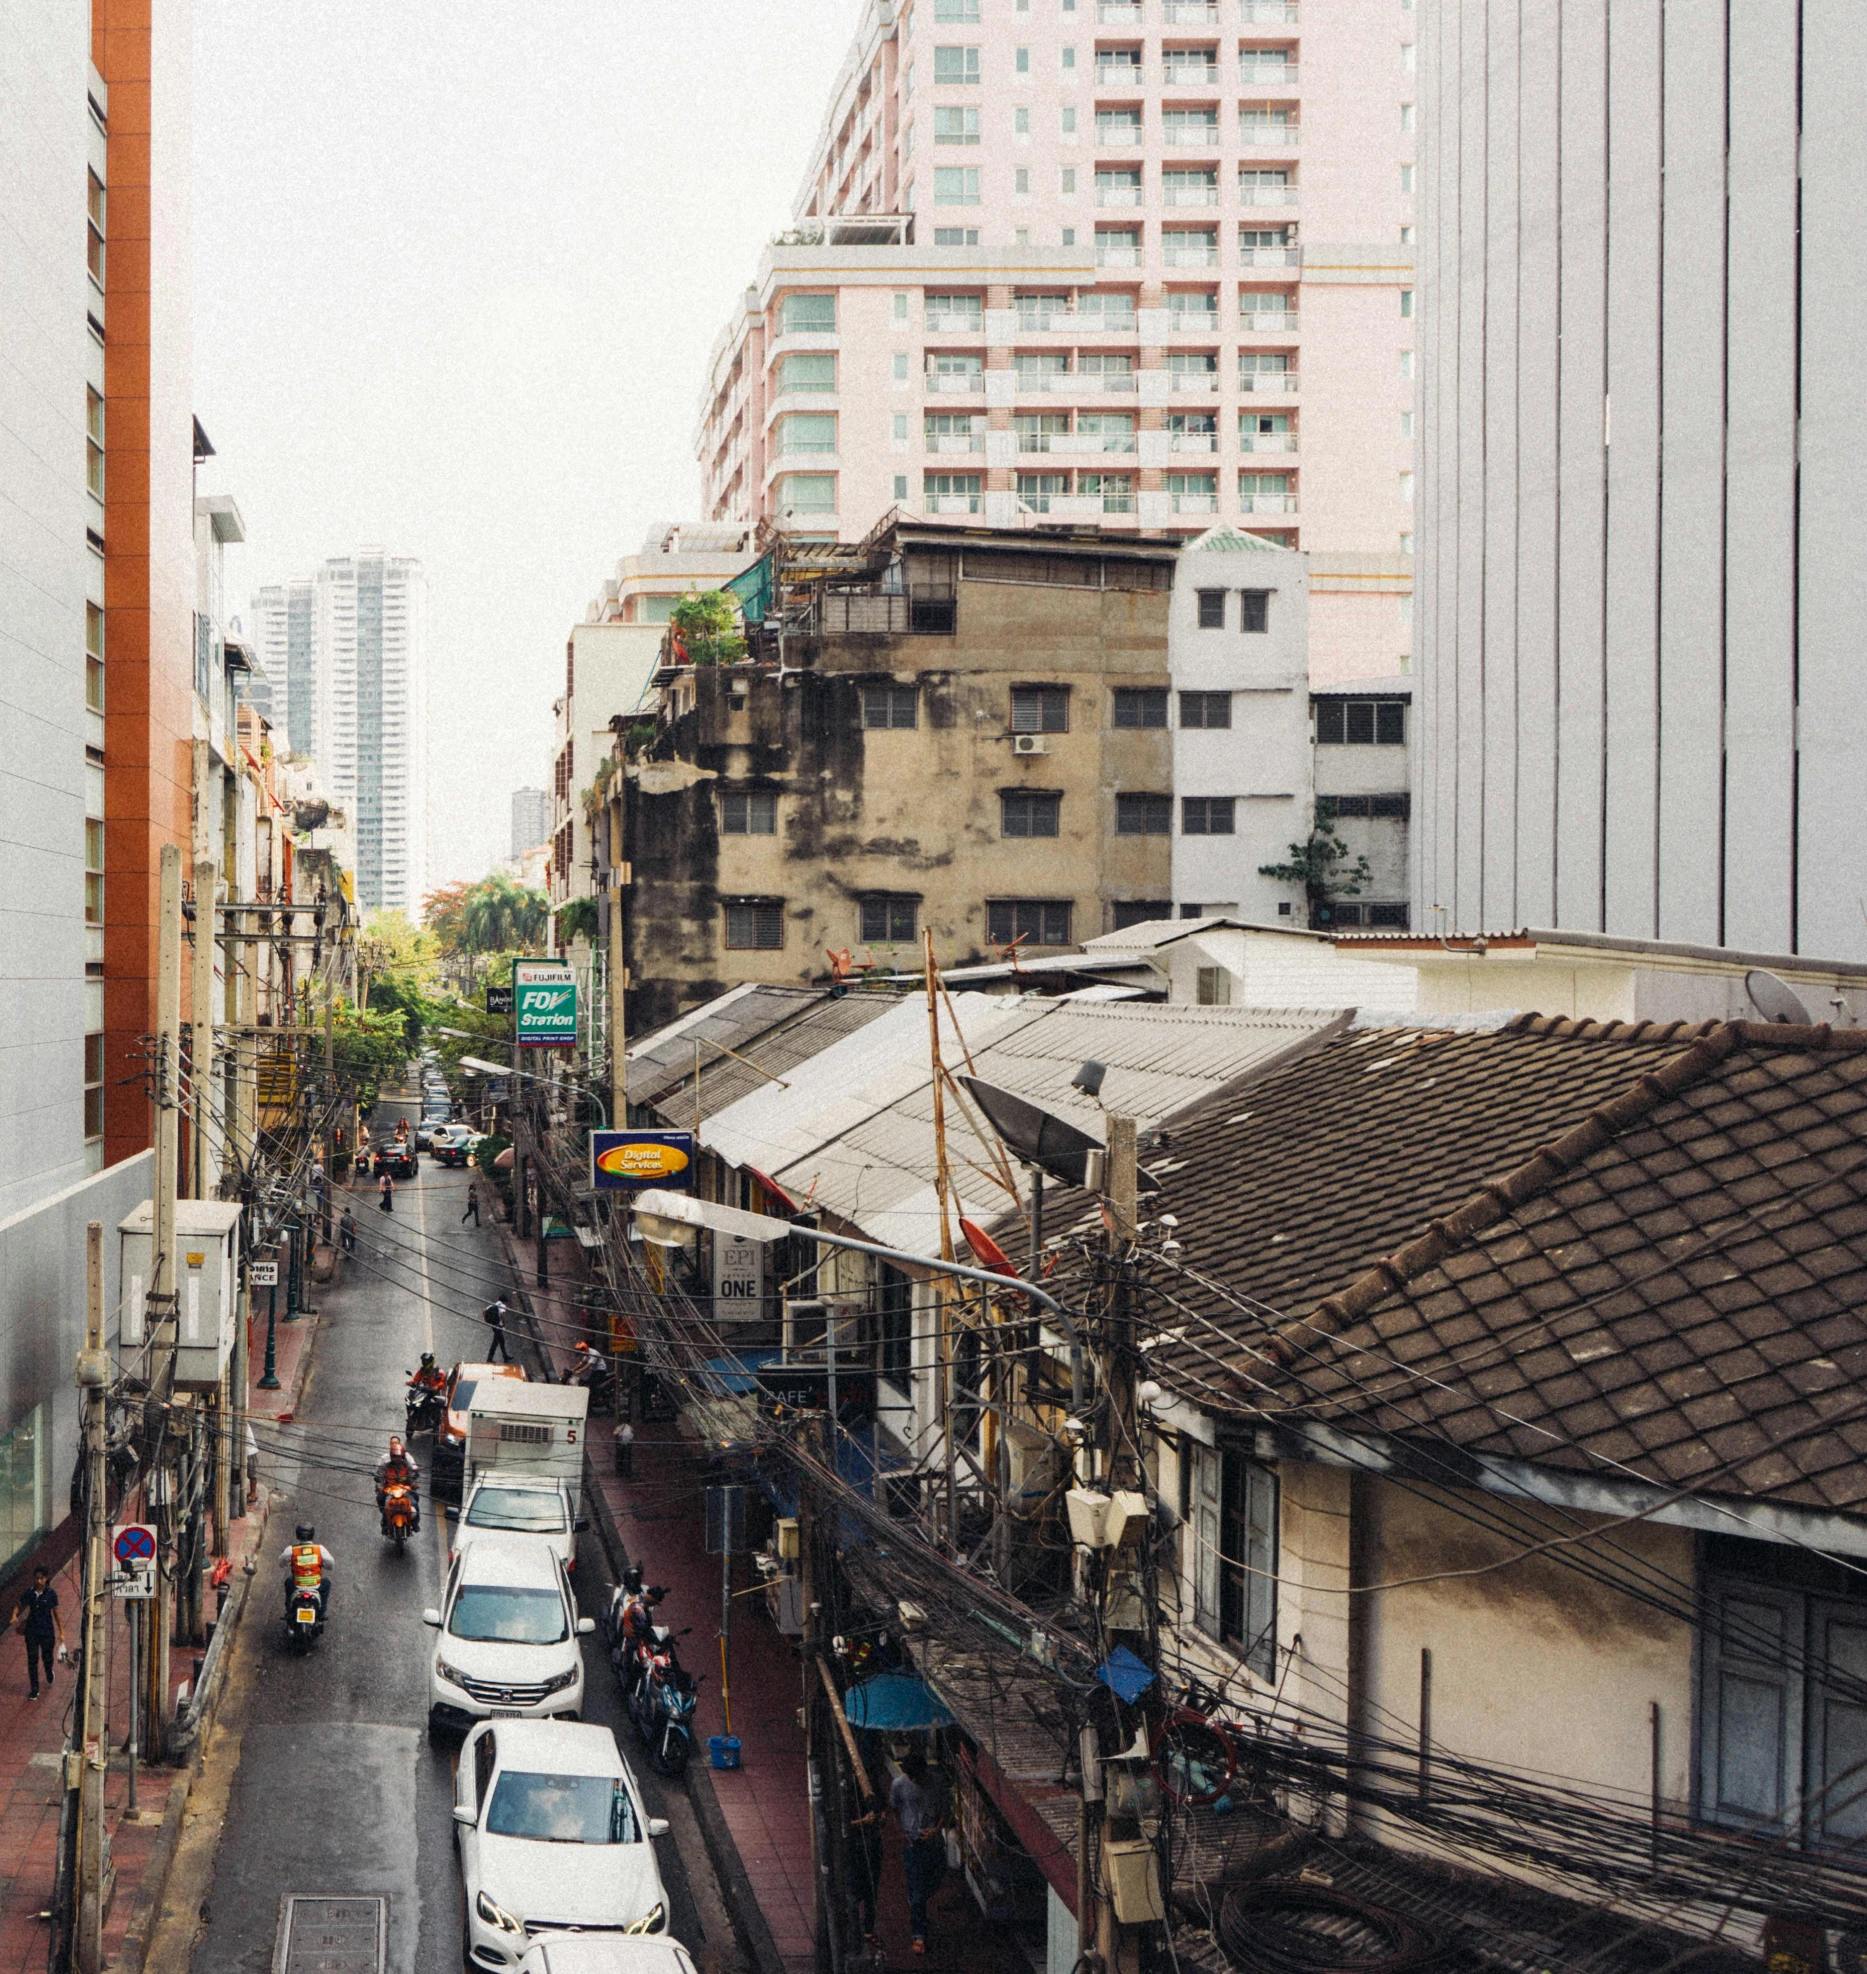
[135,1544]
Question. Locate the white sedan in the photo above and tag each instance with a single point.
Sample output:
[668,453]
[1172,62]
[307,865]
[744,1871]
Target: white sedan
[553,1839]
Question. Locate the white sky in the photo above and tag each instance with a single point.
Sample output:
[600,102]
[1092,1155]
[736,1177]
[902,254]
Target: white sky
[459,265]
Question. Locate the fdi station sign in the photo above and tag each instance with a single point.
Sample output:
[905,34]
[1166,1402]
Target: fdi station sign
[544,1004]
[632,1161]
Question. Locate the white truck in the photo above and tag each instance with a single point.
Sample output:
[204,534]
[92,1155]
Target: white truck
[525,1429]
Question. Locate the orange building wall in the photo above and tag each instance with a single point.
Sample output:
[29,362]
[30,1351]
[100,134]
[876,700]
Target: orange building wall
[143,50]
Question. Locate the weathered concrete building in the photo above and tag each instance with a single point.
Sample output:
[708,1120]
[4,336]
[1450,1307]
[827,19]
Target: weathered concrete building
[942,730]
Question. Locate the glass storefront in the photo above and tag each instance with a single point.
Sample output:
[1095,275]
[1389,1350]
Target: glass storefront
[25,1466]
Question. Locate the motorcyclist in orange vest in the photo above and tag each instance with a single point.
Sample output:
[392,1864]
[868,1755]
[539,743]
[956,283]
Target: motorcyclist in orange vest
[308,1565]
[398,1469]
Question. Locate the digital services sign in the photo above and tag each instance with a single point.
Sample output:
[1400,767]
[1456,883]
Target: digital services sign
[632,1161]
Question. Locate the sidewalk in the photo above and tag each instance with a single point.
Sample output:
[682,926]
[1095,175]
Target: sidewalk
[32,1735]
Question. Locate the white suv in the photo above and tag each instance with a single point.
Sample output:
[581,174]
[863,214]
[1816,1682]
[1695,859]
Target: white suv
[510,1636]
[520,1504]
[553,1839]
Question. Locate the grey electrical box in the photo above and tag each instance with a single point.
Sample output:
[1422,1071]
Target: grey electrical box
[207,1246]
[726,1520]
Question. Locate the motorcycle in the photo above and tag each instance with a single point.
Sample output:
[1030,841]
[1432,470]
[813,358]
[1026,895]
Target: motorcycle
[304,1618]
[662,1702]
[622,1647]
[398,1513]
[425,1406]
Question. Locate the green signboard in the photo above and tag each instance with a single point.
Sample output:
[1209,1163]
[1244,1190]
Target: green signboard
[544,1004]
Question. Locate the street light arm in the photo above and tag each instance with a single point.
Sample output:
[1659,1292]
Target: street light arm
[505,1069]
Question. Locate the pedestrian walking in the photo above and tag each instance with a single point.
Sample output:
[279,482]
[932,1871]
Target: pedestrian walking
[347,1232]
[36,1616]
[624,1440]
[385,1190]
[496,1313]
[908,1798]
[473,1205]
[252,1467]
[865,1852]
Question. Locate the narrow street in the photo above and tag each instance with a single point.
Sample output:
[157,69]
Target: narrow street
[337,1789]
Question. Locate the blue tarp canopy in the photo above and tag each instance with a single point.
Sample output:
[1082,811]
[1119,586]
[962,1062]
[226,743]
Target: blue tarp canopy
[892,1703]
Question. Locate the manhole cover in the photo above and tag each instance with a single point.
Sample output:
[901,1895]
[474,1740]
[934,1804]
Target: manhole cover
[332,1936]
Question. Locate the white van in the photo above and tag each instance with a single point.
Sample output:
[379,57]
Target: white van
[535,1430]
[511,1639]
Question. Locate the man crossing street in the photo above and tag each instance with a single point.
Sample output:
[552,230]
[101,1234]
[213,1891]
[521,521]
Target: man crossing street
[496,1313]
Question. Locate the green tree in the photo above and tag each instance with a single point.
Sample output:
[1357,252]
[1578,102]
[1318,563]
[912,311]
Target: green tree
[1322,867]
[707,627]
[369,1048]
[578,919]
[499,915]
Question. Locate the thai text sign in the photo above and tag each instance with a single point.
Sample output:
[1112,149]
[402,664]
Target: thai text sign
[630,1161]
[544,999]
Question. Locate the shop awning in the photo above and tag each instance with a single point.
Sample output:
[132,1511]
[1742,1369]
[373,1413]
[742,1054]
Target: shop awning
[893,1703]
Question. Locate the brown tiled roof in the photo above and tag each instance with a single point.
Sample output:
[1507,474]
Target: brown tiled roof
[1675,1285]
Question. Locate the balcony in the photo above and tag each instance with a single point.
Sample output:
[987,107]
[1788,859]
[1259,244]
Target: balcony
[1266,134]
[1276,382]
[1268,321]
[951,503]
[1118,75]
[1261,69]
[1122,256]
[1112,194]
[1036,320]
[1082,444]
[1203,192]
[955,381]
[1077,384]
[1267,13]
[945,442]
[1201,134]
[1201,383]
[1189,250]
[949,321]
[1270,256]
[1283,193]
[1267,442]
[1194,503]
[1193,322]
[1077,506]
[1192,442]
[1267,503]
[1190,13]
[1190,75]
[1118,136]
[1118,13]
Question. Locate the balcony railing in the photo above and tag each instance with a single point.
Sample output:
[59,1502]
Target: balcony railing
[1182,75]
[1263,135]
[1192,195]
[1036,382]
[955,380]
[1204,382]
[1267,442]
[1190,13]
[1118,13]
[1119,75]
[944,442]
[1193,442]
[953,503]
[924,610]
[1118,256]
[1267,13]
[1262,503]
[1270,256]
[947,321]
[1193,322]
[1121,195]
[1269,321]
[1252,69]
[1118,136]
[1198,253]
[1265,195]
[1267,380]
[1194,503]
[1193,136]
[1095,443]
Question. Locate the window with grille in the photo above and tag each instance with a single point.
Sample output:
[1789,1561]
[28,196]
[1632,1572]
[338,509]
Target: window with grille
[1143,815]
[755,927]
[94,1086]
[1380,806]
[889,920]
[894,1303]
[1140,706]
[1037,921]
[1255,606]
[806,370]
[94,657]
[1028,812]
[1138,911]
[1361,722]
[1212,610]
[1040,709]
[1205,709]
[806,315]
[1208,815]
[748,812]
[890,705]
[959,125]
[93,871]
[1212,987]
[955,66]
[1232,1510]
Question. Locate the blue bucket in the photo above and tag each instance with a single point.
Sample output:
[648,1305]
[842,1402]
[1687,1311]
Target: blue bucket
[723,1750]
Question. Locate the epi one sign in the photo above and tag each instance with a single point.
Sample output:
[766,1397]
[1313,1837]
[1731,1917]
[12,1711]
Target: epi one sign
[544,1004]
[628,1161]
[738,1279]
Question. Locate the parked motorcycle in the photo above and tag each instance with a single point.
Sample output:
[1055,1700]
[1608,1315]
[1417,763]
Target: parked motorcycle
[398,1513]
[662,1702]
[304,1619]
[622,1647]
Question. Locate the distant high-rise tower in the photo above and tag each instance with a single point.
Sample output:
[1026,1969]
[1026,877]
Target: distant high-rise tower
[531,819]
[282,639]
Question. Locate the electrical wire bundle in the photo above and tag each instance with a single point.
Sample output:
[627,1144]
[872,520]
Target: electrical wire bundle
[1284,1926]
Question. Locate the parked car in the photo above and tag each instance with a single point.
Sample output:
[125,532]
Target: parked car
[521,1505]
[510,1635]
[452,1144]
[552,1836]
[606,1953]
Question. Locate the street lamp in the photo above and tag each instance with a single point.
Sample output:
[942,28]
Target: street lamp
[666,1219]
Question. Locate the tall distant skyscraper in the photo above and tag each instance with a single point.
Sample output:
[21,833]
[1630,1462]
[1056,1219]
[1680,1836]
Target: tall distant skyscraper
[347,653]
[531,819]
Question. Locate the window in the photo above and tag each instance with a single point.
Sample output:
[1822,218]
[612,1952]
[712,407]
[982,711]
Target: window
[1406,488]
[1067,120]
[899,366]
[1361,722]
[898,428]
[889,920]
[1406,363]
[1119,188]
[807,431]
[94,657]
[953,493]
[1144,815]
[1190,188]
[94,231]
[807,315]
[1028,812]
[93,871]
[1192,493]
[1040,709]
[1118,127]
[1037,490]
[1406,178]
[1140,706]
[896,706]
[1260,187]
[755,927]
[1254,610]
[953,66]
[901,486]
[1208,815]
[1400,805]
[907,79]
[1212,610]
[894,1305]
[1021,182]
[26,1496]
[964,13]
[1035,921]
[1212,987]
[1069,59]
[1021,122]
[94,441]
[748,812]
[1232,1510]
[956,185]
[1206,709]
[953,431]
[807,493]
[806,371]
[1066,181]
[1021,61]
[1406,424]
[1138,911]
[1349,911]
[963,312]
[94,1086]
[956,126]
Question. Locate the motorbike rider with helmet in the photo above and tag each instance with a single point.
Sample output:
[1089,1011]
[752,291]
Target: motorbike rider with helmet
[307,1565]
[398,1470]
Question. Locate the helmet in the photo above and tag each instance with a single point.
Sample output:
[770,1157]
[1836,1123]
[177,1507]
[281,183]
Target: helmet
[583,1347]
[304,1532]
[632,1579]
[427,1356]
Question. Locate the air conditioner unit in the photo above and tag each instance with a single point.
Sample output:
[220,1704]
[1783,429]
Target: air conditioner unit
[806,1325]
[1029,743]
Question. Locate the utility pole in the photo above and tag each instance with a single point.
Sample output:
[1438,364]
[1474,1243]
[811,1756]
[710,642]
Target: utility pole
[201,998]
[93,1737]
[619,876]
[163,1243]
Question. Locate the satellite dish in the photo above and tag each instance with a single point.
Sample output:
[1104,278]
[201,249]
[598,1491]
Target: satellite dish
[1774,999]
[1040,1137]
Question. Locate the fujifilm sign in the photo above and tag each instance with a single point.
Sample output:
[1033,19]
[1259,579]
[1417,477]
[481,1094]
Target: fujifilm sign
[544,1004]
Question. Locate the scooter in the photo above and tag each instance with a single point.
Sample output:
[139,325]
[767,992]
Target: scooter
[622,1647]
[304,1619]
[398,1513]
[661,1703]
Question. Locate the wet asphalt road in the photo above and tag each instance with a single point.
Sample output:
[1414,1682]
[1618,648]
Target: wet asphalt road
[338,1789]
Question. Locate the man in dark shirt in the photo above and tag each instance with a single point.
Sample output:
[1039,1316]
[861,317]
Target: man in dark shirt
[36,1615]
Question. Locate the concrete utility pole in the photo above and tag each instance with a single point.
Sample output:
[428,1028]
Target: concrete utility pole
[201,998]
[163,1297]
[619,876]
[93,1736]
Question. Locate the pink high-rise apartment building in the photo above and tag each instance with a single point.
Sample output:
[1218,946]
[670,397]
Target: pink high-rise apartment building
[1142,264]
